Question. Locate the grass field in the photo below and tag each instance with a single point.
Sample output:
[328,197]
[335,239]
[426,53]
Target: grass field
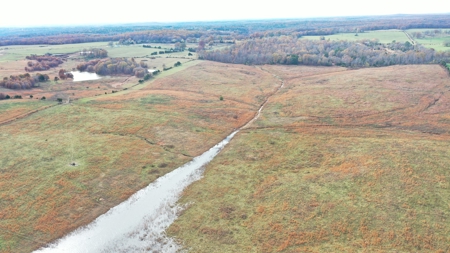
[436,43]
[384,36]
[339,161]
[13,53]
[118,143]
[432,42]
[18,107]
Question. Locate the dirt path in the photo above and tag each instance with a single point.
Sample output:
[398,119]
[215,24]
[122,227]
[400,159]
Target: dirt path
[410,38]
[21,116]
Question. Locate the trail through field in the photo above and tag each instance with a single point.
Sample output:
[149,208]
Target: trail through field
[7,121]
[410,38]
[139,223]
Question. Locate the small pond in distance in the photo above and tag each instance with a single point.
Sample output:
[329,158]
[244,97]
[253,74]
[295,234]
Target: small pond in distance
[84,76]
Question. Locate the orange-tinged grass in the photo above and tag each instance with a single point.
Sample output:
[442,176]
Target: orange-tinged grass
[321,172]
[318,190]
[246,84]
[14,108]
[408,97]
[119,144]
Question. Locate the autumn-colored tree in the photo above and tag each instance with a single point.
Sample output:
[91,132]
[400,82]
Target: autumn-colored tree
[62,74]
[201,45]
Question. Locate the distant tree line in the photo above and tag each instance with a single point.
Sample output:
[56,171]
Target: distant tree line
[6,96]
[23,81]
[42,62]
[115,66]
[430,33]
[218,32]
[290,50]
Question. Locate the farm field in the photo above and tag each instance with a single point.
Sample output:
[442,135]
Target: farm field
[436,43]
[384,36]
[13,53]
[339,161]
[72,162]
[432,42]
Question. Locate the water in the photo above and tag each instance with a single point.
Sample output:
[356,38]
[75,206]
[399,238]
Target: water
[139,223]
[84,76]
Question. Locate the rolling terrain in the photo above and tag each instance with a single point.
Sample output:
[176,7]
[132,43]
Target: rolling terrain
[339,161]
[65,165]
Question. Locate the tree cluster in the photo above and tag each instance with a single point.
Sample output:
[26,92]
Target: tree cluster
[115,66]
[63,75]
[23,81]
[290,50]
[94,53]
[42,62]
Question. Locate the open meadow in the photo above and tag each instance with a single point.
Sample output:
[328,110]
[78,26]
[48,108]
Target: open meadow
[339,161]
[436,41]
[63,166]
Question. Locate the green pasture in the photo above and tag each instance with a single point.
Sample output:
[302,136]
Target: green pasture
[436,43]
[11,53]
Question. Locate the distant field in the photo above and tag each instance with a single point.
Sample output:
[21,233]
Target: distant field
[9,53]
[432,42]
[384,36]
[119,143]
[344,161]
[12,53]
[436,43]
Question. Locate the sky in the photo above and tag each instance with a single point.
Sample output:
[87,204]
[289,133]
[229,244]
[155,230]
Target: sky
[23,13]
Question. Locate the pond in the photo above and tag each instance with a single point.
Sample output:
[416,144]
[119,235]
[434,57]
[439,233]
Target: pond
[84,76]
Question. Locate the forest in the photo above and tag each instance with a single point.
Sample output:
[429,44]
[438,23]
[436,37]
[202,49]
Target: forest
[291,50]
[220,30]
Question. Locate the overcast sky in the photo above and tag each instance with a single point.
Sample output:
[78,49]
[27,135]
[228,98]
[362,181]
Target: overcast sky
[57,12]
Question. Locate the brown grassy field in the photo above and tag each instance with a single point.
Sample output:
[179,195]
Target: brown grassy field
[348,161]
[118,143]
